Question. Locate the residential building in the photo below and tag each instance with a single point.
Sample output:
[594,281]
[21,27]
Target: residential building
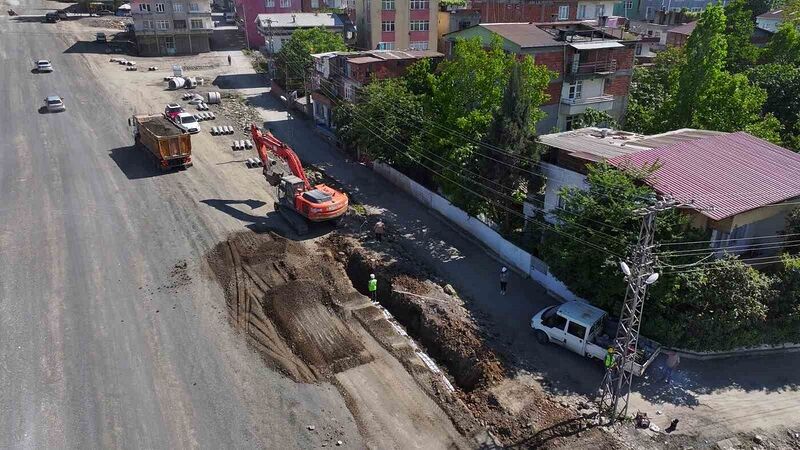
[742,187]
[276,29]
[338,76]
[171,27]
[397,24]
[593,68]
[454,19]
[648,9]
[248,10]
[770,20]
[678,36]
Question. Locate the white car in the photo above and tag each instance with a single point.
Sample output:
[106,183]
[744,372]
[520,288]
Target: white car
[187,122]
[55,103]
[44,65]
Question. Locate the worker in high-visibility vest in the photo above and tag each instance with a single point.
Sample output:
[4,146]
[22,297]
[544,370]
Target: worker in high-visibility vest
[373,287]
[611,359]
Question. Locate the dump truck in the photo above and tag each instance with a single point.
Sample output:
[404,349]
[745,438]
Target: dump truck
[587,331]
[170,146]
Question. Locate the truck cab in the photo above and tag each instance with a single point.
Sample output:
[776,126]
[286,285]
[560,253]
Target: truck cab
[585,330]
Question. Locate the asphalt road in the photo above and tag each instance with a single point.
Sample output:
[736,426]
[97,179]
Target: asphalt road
[103,343]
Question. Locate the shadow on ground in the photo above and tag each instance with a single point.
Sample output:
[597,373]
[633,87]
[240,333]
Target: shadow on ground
[136,163]
[272,221]
[118,47]
[240,81]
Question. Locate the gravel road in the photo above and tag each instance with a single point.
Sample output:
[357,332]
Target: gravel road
[107,341]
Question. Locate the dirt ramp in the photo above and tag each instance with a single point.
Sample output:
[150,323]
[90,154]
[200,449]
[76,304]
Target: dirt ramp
[300,310]
[281,294]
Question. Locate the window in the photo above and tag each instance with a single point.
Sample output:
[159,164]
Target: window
[600,10]
[385,45]
[144,7]
[387,5]
[387,25]
[464,24]
[419,4]
[147,24]
[169,42]
[286,3]
[314,4]
[197,24]
[159,7]
[269,3]
[419,25]
[162,25]
[638,49]
[629,4]
[581,11]
[556,321]
[418,45]
[648,12]
[350,93]
[194,7]
[177,7]
[179,24]
[563,12]
[697,9]
[576,330]
[569,123]
[575,89]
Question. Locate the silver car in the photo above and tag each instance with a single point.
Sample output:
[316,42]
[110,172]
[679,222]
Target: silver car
[44,65]
[54,103]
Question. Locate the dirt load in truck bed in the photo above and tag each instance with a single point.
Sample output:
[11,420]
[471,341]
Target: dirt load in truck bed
[161,127]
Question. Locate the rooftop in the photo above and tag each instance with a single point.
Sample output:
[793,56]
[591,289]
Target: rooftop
[592,144]
[724,174]
[526,35]
[381,55]
[583,313]
[775,15]
[299,20]
[546,34]
[685,29]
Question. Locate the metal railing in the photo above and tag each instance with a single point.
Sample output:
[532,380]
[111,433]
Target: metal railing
[587,100]
[589,68]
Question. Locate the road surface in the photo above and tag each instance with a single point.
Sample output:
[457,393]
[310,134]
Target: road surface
[107,340]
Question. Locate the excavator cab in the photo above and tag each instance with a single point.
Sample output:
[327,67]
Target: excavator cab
[290,186]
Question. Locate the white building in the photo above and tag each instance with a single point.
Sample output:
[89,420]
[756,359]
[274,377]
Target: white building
[277,28]
[171,27]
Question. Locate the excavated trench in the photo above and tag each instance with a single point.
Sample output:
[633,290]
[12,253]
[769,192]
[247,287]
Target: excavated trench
[435,321]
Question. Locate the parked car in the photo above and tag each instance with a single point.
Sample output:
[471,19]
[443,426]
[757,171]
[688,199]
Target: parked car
[187,122]
[51,17]
[101,37]
[172,111]
[105,12]
[54,103]
[587,331]
[44,65]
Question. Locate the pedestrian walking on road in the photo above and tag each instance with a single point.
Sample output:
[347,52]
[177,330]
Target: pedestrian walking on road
[672,362]
[373,287]
[503,280]
[380,230]
[229,60]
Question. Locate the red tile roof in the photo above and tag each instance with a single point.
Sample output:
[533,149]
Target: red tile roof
[730,173]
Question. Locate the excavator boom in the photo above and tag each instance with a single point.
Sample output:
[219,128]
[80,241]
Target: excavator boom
[266,141]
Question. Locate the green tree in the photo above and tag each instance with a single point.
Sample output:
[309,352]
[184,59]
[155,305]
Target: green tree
[511,144]
[784,47]
[420,77]
[373,128]
[293,61]
[758,7]
[594,118]
[782,85]
[739,28]
[784,309]
[651,93]
[706,51]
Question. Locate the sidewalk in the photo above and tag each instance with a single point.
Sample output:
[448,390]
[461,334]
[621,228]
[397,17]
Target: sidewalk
[770,381]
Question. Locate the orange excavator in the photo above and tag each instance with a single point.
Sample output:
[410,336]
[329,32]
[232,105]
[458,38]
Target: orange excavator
[298,201]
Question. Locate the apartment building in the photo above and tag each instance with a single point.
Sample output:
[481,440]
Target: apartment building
[248,10]
[593,67]
[493,11]
[171,27]
[397,24]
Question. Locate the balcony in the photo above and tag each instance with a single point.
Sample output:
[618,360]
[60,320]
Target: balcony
[576,71]
[579,105]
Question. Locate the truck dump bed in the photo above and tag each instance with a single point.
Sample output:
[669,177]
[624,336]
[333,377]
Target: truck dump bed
[163,138]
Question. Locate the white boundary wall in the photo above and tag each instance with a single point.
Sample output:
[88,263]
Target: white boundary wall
[521,260]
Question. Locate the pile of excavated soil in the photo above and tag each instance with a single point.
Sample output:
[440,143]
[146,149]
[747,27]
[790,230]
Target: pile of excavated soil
[282,295]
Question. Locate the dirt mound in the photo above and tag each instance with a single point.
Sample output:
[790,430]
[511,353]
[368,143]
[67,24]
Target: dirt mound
[282,295]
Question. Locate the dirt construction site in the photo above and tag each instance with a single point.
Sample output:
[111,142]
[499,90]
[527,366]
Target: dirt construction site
[312,360]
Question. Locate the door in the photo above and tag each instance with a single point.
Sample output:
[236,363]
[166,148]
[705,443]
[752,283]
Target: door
[576,337]
[556,329]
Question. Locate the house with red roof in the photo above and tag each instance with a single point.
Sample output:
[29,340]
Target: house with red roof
[741,187]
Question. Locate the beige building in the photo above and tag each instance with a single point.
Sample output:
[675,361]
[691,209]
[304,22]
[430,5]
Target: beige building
[171,27]
[397,24]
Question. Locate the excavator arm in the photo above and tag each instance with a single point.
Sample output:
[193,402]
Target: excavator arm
[265,142]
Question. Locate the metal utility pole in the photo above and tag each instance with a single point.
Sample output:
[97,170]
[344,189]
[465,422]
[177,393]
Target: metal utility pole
[639,275]
[270,49]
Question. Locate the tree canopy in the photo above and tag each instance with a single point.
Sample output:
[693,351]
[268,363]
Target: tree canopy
[294,58]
